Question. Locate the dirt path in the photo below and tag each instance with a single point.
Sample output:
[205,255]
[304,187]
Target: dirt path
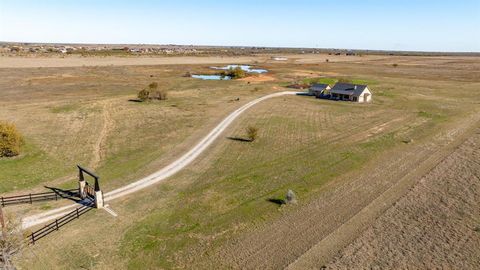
[315,233]
[99,146]
[435,225]
[160,175]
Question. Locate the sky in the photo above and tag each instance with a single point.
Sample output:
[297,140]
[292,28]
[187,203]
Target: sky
[410,25]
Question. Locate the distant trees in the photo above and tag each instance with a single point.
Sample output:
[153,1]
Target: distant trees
[152,93]
[252,133]
[235,73]
[10,140]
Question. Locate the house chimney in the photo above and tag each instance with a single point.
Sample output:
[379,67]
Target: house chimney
[355,87]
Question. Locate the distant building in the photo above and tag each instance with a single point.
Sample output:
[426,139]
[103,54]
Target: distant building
[351,92]
[319,89]
[279,58]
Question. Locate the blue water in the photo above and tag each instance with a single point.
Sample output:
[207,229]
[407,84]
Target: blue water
[212,77]
[246,68]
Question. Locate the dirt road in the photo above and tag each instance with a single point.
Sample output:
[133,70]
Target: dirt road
[162,174]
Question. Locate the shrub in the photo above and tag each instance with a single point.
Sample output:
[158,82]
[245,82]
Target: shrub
[11,242]
[238,73]
[153,86]
[10,140]
[143,95]
[291,197]
[159,95]
[235,73]
[252,133]
[152,93]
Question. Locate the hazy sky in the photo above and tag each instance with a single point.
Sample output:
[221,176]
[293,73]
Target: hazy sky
[429,25]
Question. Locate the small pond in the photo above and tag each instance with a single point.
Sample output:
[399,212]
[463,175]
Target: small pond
[217,77]
[212,77]
[246,68]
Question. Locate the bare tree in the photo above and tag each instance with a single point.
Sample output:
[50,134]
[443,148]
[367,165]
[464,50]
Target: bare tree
[252,133]
[11,241]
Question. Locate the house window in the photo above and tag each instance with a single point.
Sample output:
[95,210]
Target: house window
[354,98]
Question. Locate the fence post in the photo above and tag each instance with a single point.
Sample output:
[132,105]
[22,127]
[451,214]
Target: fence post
[78,215]
[33,238]
[81,184]
[98,195]
[30,195]
[56,223]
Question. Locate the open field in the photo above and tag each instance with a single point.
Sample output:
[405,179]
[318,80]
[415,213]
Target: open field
[78,61]
[436,224]
[338,157]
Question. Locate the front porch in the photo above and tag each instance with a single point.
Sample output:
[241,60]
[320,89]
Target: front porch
[343,97]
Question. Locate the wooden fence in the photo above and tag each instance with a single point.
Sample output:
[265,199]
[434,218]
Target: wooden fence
[58,223]
[37,197]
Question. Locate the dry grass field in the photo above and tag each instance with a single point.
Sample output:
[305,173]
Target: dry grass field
[436,224]
[348,163]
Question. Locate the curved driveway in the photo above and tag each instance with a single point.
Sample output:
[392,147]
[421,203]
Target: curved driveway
[160,175]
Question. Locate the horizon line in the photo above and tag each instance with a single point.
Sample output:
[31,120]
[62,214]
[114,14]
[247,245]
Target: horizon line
[242,46]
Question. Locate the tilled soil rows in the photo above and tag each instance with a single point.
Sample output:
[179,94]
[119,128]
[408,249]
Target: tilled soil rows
[293,236]
[435,225]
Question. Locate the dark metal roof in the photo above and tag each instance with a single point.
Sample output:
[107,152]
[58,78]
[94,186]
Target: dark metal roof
[348,88]
[320,85]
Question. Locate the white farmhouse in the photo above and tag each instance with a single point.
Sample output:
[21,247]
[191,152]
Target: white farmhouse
[351,92]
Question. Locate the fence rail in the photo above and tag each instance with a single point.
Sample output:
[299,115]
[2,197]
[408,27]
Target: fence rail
[58,223]
[37,197]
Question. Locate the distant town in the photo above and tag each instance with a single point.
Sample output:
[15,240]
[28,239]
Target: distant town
[55,49]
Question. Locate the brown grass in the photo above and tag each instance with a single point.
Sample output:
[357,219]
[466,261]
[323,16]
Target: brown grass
[338,157]
[433,225]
